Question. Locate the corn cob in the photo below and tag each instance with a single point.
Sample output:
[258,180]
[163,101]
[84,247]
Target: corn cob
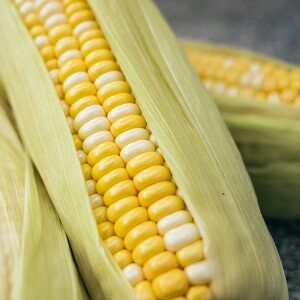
[169,273]
[240,74]
[267,132]
[140,216]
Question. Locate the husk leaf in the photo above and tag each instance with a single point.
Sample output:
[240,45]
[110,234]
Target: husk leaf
[199,150]
[268,137]
[35,258]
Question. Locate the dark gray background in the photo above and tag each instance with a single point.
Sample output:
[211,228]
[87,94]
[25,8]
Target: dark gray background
[271,27]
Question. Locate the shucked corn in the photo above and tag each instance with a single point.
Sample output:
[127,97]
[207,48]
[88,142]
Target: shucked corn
[139,211]
[247,77]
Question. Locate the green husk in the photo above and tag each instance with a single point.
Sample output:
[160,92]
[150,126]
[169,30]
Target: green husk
[268,137]
[191,135]
[29,228]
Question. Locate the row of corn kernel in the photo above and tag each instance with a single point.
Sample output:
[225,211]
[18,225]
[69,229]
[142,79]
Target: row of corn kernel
[245,77]
[106,230]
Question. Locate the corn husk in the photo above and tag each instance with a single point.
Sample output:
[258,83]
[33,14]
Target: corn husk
[268,137]
[191,134]
[29,230]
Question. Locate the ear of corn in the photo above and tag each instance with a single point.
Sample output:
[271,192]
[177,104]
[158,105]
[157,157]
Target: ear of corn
[211,179]
[267,134]
[29,227]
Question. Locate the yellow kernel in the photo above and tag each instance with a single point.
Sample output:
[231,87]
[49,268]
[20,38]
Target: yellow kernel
[190,254]
[98,56]
[51,64]
[123,258]
[79,91]
[71,67]
[81,104]
[139,233]
[120,207]
[37,30]
[117,100]
[93,45]
[86,170]
[164,206]
[143,161]
[126,123]
[105,229]
[65,44]
[59,32]
[101,151]
[48,53]
[148,248]
[77,6]
[199,292]
[143,291]
[111,89]
[31,20]
[100,214]
[114,244]
[77,141]
[171,284]
[129,220]
[156,191]
[106,165]
[80,16]
[288,95]
[101,68]
[91,34]
[269,85]
[110,179]
[159,264]
[120,190]
[150,176]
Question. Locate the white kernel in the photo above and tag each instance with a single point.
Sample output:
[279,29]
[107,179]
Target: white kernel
[107,78]
[96,200]
[42,41]
[81,156]
[254,67]
[26,8]
[55,20]
[50,9]
[228,62]
[257,80]
[181,236]
[69,55]
[273,98]
[96,139]
[173,220]
[219,88]
[133,149]
[123,111]
[148,128]
[87,114]
[134,273]
[208,84]
[84,26]
[74,79]
[131,136]
[54,76]
[40,3]
[199,272]
[90,186]
[246,79]
[93,126]
[152,139]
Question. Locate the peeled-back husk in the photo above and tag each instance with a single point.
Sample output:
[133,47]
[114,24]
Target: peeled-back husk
[191,134]
[34,246]
[268,137]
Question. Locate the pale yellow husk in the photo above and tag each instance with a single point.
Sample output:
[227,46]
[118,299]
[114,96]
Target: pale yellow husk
[268,137]
[35,258]
[191,135]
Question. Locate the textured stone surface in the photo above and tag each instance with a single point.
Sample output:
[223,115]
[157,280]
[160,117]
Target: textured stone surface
[269,27]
